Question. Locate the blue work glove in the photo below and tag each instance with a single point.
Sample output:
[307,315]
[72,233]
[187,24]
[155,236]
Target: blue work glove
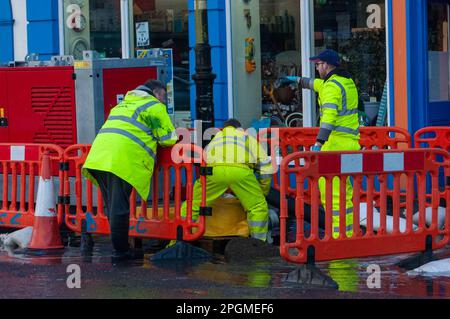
[288,80]
[316,148]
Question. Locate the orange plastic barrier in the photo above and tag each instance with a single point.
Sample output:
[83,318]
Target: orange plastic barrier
[291,140]
[414,165]
[19,171]
[433,137]
[163,218]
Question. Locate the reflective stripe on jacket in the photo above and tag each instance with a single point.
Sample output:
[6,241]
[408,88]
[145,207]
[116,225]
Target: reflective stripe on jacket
[232,147]
[127,142]
[338,101]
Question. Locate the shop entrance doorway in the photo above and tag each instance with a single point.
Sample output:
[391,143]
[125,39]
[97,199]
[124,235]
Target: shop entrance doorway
[438,63]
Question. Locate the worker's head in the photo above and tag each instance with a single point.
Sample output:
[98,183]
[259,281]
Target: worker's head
[155,88]
[233,123]
[326,62]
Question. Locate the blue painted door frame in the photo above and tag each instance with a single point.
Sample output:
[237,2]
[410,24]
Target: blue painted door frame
[417,54]
[43,28]
[218,42]
[6,32]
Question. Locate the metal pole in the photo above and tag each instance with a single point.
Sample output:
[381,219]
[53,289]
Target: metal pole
[125,28]
[307,36]
[62,26]
[203,77]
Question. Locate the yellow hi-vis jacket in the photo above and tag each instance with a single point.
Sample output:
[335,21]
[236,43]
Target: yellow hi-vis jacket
[233,147]
[127,142]
[338,101]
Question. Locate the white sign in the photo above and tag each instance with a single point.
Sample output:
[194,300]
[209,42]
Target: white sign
[142,34]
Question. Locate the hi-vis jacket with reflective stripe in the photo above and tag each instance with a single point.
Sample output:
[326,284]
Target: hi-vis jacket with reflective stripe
[232,147]
[338,101]
[126,144]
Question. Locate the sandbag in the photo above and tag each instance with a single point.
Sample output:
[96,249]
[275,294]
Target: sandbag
[229,219]
[441,267]
[19,239]
[377,217]
[428,217]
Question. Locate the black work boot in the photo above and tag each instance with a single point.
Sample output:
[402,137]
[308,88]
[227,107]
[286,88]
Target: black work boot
[119,225]
[131,254]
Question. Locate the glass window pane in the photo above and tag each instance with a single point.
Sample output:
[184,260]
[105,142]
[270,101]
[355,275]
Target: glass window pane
[356,29]
[105,23]
[92,25]
[167,23]
[438,55]
[280,56]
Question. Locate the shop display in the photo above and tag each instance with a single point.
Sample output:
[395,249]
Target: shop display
[282,104]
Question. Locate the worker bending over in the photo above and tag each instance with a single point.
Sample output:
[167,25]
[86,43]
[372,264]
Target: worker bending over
[123,155]
[240,164]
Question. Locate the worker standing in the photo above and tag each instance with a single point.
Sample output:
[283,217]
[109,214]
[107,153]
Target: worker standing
[339,125]
[123,155]
[240,164]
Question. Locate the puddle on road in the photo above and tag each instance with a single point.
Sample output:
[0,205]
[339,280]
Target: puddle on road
[351,275]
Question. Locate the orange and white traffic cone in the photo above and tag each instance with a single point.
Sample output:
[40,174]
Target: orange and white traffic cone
[46,228]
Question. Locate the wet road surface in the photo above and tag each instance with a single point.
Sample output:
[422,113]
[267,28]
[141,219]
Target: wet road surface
[23,276]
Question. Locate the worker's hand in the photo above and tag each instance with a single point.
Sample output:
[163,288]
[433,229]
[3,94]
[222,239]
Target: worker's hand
[316,147]
[288,80]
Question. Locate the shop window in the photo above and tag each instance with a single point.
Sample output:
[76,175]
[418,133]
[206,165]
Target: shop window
[104,17]
[356,29]
[438,55]
[164,24]
[92,25]
[280,56]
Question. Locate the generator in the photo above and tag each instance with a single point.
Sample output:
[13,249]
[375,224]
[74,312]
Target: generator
[65,102]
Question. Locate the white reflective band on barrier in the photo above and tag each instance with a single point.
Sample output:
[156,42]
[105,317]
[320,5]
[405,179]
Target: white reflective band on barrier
[351,163]
[17,153]
[393,162]
[280,159]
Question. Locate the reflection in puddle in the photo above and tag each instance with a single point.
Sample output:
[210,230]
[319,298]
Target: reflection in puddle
[350,275]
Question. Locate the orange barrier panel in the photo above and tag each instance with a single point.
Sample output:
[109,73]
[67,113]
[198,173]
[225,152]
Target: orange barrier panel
[389,238]
[163,218]
[19,172]
[285,141]
[433,137]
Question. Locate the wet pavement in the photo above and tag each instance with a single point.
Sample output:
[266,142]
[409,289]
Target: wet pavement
[23,276]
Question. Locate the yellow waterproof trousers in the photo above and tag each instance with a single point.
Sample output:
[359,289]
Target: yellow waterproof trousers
[339,144]
[243,183]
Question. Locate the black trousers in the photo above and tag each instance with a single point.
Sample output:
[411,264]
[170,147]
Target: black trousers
[116,196]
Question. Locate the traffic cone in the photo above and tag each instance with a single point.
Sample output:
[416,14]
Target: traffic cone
[46,228]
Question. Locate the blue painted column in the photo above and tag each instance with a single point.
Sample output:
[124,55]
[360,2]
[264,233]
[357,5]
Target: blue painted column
[217,41]
[417,65]
[6,32]
[43,36]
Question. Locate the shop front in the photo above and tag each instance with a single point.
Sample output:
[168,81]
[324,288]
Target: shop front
[254,43]
[286,33]
[396,51]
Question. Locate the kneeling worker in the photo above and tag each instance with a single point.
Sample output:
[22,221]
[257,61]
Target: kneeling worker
[240,164]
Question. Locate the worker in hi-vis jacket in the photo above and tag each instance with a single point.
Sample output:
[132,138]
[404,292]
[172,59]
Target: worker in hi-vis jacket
[123,155]
[339,125]
[240,164]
